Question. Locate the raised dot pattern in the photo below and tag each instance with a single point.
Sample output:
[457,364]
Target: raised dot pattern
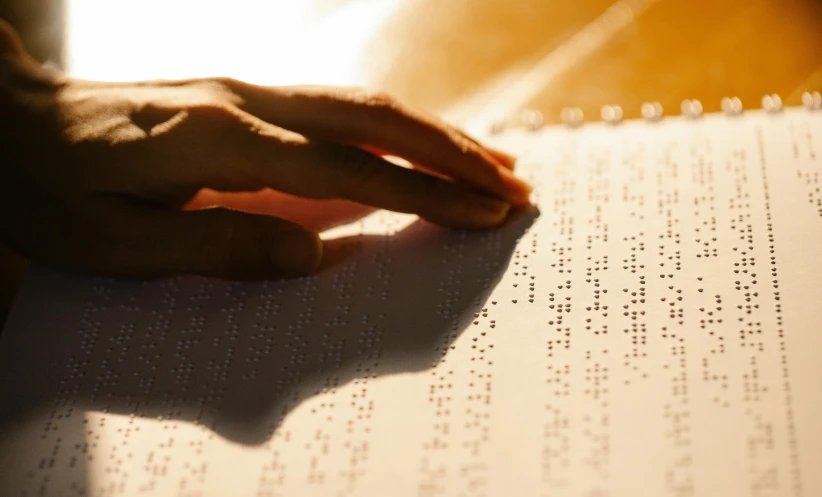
[630,338]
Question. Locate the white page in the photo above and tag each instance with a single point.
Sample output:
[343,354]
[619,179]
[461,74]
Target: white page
[651,330]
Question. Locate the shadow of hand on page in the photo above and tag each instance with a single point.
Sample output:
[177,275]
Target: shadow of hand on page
[238,357]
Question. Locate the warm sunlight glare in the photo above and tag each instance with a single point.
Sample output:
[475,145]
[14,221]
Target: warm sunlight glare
[267,42]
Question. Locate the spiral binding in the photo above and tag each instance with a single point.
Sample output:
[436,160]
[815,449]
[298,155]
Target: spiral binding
[573,117]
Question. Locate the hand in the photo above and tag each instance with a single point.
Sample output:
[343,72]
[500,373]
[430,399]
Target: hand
[95,176]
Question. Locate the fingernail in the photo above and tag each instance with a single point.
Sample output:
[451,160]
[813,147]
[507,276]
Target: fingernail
[298,252]
[505,158]
[520,188]
[495,211]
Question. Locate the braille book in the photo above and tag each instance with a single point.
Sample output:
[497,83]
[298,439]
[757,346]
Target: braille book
[652,327]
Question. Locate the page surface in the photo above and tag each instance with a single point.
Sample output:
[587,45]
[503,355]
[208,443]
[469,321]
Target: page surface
[651,328]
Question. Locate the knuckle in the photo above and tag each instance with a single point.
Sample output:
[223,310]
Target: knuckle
[221,82]
[213,119]
[461,142]
[377,100]
[218,88]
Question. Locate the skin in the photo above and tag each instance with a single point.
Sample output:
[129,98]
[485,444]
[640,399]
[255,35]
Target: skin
[102,178]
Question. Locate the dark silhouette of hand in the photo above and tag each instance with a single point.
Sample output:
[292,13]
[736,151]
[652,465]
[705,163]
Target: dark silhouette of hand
[104,177]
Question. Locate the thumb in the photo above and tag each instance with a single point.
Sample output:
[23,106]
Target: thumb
[12,48]
[222,243]
[9,40]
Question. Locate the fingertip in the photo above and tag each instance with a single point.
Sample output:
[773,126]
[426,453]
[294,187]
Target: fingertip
[523,202]
[499,216]
[297,253]
[519,190]
[505,159]
[337,250]
[484,213]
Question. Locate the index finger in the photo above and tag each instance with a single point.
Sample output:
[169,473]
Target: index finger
[377,120]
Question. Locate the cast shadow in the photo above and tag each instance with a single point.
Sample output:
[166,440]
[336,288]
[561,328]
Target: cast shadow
[238,357]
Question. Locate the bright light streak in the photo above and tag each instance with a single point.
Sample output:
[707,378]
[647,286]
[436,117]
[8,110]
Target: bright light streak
[262,41]
[513,89]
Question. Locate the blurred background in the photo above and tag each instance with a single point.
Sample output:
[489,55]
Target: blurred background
[466,59]
[469,60]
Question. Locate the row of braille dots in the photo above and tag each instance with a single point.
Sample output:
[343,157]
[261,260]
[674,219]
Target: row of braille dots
[652,111]
[780,329]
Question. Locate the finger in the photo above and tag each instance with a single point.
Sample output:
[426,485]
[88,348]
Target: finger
[11,44]
[354,117]
[211,242]
[504,158]
[238,153]
[9,39]
[329,170]
[404,163]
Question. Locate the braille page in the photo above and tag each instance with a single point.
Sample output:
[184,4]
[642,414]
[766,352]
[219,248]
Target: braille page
[650,328]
